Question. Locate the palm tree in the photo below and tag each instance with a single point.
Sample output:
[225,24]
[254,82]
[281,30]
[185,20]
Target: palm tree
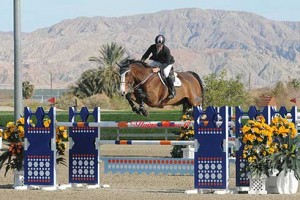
[105,79]
[27,89]
[88,84]
[109,55]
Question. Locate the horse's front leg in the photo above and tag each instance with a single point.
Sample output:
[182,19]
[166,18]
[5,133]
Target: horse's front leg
[142,110]
[141,95]
[131,103]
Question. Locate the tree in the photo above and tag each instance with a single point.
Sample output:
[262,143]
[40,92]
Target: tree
[221,92]
[109,55]
[88,84]
[294,84]
[27,89]
[104,79]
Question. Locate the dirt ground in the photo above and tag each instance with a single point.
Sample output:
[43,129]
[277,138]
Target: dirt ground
[129,186]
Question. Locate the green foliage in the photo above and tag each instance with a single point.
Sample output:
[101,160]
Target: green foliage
[105,79]
[27,89]
[279,89]
[221,92]
[176,151]
[288,158]
[185,133]
[88,84]
[294,84]
[109,54]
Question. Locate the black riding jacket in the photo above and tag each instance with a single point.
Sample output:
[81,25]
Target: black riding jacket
[164,56]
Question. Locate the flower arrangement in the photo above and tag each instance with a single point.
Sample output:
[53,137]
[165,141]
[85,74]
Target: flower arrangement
[274,146]
[186,133]
[13,156]
[287,156]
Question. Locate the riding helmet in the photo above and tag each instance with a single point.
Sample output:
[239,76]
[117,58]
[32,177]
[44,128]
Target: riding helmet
[160,39]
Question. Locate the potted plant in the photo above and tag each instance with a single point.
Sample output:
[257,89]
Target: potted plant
[272,148]
[13,155]
[287,157]
[259,146]
[186,133]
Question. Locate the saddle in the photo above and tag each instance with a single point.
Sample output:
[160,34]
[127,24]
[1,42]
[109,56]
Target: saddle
[176,80]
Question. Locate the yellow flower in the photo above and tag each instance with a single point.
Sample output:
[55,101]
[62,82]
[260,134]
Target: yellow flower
[271,150]
[65,134]
[251,159]
[47,123]
[21,129]
[283,131]
[256,130]
[249,137]
[245,129]
[275,120]
[10,124]
[259,139]
[264,153]
[260,119]
[21,134]
[6,135]
[21,121]
[61,128]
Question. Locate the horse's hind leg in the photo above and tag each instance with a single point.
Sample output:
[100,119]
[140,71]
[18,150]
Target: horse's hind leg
[187,108]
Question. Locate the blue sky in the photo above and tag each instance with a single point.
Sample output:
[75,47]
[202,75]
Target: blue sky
[43,13]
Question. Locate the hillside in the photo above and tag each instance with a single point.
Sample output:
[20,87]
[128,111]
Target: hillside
[204,41]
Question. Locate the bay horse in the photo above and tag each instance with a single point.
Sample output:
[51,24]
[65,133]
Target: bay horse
[139,84]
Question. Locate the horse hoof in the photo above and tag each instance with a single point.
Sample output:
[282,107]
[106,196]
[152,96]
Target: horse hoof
[145,112]
[138,112]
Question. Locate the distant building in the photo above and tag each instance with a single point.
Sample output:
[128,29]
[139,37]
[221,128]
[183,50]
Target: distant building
[266,101]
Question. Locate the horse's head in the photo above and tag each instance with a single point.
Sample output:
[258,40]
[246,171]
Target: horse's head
[131,72]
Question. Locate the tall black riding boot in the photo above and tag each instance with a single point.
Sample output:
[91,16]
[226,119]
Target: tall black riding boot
[172,91]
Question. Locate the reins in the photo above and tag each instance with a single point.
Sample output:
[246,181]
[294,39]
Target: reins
[141,83]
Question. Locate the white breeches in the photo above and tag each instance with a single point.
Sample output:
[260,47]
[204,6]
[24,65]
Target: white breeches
[158,64]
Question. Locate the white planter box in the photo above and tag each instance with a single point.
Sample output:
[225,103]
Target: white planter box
[18,178]
[257,184]
[188,152]
[271,182]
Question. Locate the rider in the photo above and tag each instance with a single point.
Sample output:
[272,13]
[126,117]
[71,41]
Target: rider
[162,58]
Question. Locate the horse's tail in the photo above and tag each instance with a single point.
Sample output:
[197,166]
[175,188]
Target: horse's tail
[200,83]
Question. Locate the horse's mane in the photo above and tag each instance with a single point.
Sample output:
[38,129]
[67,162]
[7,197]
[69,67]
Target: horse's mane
[134,61]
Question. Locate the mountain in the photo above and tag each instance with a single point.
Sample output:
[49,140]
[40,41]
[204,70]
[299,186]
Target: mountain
[204,41]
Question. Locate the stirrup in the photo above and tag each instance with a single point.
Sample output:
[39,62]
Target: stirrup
[171,94]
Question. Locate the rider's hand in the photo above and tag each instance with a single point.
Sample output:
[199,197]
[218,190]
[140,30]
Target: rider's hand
[155,69]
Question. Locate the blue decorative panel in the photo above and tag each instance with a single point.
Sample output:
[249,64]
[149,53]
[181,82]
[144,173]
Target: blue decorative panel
[211,158]
[83,153]
[39,157]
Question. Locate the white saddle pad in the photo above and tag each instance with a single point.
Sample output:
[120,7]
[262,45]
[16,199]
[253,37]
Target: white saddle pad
[177,82]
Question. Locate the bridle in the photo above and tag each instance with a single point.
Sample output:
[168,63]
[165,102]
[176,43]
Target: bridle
[123,82]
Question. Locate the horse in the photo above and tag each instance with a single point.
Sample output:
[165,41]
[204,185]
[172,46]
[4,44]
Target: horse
[140,85]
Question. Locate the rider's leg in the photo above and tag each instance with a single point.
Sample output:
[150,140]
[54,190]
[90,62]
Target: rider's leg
[155,64]
[170,81]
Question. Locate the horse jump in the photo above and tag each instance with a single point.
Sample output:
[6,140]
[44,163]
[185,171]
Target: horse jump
[40,163]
